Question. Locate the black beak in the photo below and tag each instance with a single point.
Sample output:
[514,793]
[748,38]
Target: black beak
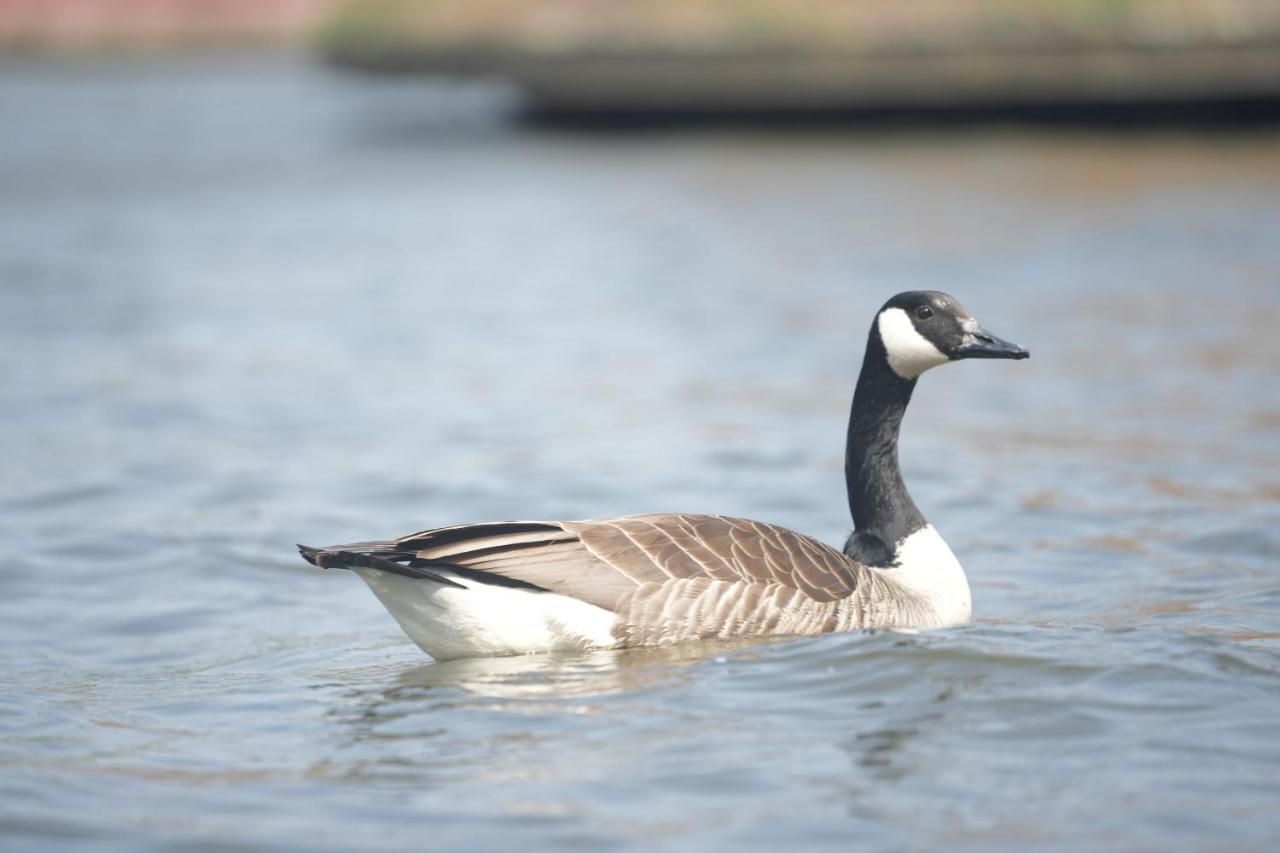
[979,343]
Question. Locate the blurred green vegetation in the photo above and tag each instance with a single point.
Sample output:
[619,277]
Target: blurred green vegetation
[766,55]
[719,26]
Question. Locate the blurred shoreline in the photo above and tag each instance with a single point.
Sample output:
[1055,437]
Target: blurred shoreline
[663,61]
[74,28]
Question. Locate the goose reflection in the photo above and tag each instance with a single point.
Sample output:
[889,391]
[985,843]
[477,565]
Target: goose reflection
[422,700]
[560,675]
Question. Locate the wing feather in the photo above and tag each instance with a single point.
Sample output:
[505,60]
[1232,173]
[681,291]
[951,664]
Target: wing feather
[716,575]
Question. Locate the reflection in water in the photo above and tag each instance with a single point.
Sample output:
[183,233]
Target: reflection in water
[522,717]
[554,683]
[880,752]
[562,674]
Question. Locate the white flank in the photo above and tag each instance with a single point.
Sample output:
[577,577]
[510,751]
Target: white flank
[484,620]
[931,574]
[910,353]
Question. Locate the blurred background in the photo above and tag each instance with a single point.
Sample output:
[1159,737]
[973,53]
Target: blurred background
[312,271]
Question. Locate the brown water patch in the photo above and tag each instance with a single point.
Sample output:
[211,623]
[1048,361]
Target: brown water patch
[1169,487]
[1265,421]
[1045,499]
[1158,608]
[1115,542]
[1114,445]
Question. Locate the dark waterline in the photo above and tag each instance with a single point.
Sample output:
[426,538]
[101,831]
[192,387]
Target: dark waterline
[247,302]
[1217,114]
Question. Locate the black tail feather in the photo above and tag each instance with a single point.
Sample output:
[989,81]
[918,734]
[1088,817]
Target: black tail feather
[341,559]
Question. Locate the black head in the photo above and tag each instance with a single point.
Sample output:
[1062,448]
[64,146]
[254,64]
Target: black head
[921,329]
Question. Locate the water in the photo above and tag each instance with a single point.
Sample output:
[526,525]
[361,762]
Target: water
[248,303]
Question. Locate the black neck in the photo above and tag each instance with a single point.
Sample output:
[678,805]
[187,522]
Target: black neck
[878,498]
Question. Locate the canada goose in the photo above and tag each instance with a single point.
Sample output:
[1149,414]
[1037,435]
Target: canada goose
[531,586]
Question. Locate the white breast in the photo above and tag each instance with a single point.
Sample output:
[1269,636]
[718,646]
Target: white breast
[931,580]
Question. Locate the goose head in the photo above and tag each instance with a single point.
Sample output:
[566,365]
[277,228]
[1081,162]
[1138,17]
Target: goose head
[920,329]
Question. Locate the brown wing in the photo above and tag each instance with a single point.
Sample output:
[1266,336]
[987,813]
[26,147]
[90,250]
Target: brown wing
[601,561]
[658,548]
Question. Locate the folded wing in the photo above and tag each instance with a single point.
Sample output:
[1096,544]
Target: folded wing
[613,563]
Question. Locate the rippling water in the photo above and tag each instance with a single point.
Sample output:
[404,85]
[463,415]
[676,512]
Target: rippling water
[246,303]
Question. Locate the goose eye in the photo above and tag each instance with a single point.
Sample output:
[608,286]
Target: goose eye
[924,312]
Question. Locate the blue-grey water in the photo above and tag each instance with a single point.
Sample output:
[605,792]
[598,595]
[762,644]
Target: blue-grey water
[247,302]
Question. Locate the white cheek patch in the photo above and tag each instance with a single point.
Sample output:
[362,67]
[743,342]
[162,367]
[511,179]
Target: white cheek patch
[910,353]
